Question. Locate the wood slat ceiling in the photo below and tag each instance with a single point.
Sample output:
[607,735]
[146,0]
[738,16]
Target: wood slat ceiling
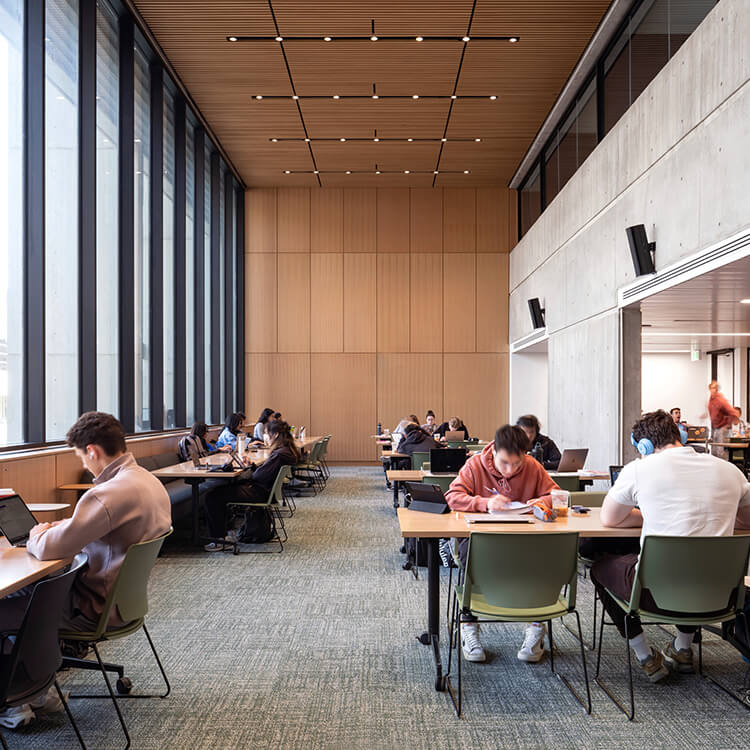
[706,304]
[223,77]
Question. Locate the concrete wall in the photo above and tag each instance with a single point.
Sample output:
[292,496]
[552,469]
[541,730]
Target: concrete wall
[679,162]
[529,385]
[674,380]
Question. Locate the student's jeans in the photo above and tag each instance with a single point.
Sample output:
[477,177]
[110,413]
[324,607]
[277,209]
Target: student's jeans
[720,435]
[617,574]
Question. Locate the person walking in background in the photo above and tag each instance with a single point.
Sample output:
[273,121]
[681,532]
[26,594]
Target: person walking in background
[722,415]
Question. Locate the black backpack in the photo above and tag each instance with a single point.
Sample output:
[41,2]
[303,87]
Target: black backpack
[259,527]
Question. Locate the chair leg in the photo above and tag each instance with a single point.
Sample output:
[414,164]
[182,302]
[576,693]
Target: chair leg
[586,706]
[592,645]
[454,642]
[743,700]
[630,714]
[158,662]
[70,717]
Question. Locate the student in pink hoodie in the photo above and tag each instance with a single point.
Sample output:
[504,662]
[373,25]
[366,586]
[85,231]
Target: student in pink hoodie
[500,474]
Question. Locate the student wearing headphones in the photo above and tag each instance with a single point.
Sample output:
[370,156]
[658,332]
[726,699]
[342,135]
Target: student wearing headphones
[671,491]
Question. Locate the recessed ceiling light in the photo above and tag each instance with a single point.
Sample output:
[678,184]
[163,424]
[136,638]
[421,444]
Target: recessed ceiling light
[377,171]
[443,140]
[436,172]
[279,38]
[477,140]
[326,38]
[745,301]
[493,97]
[287,171]
[295,96]
[348,171]
[373,38]
[466,38]
[410,139]
[342,139]
[466,171]
[274,140]
[415,96]
[406,171]
[375,96]
[232,38]
[513,39]
[316,172]
[258,96]
[307,140]
[376,140]
[453,96]
[336,96]
[420,38]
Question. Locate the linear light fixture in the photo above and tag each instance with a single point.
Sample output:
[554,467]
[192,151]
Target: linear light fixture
[377,171]
[414,97]
[697,334]
[377,139]
[373,38]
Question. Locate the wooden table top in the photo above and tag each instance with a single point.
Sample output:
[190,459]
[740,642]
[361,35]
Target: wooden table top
[18,568]
[46,507]
[78,487]
[583,474]
[393,454]
[412,475]
[738,446]
[416,524]
[186,470]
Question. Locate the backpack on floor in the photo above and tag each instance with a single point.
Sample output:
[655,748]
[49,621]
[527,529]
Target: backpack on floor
[416,553]
[732,631]
[259,527]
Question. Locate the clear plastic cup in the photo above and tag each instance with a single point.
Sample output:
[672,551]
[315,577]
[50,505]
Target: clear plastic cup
[560,502]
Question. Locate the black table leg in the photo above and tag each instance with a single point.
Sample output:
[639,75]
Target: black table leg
[432,636]
[195,484]
[396,485]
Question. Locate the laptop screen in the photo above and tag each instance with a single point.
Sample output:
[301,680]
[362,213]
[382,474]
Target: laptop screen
[444,460]
[15,518]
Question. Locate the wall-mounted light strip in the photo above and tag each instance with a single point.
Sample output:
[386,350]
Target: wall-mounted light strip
[297,97]
[376,139]
[373,38]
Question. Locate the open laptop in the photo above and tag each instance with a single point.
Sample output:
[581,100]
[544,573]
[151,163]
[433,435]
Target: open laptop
[453,436]
[573,459]
[16,520]
[447,461]
[697,432]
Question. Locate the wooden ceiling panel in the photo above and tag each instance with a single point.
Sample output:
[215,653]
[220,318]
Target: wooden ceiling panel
[223,77]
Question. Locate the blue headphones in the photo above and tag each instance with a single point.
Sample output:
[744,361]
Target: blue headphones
[645,447]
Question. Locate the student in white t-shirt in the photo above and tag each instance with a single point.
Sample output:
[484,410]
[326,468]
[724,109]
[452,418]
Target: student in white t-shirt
[678,492]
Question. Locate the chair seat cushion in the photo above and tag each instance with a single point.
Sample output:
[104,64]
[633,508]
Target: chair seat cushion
[481,607]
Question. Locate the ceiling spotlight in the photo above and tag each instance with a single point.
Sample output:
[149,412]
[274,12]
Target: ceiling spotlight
[373,38]
[348,171]
[513,39]
[415,96]
[493,97]
[435,172]
[316,172]
[258,96]
[443,140]
[336,96]
[376,140]
[287,171]
[745,301]
[342,139]
[307,140]
[466,171]
[406,171]
[466,39]
[377,171]
[326,38]
[274,140]
[420,38]
[375,96]
[232,38]
[453,96]
[410,139]
[279,38]
[295,97]
[477,140]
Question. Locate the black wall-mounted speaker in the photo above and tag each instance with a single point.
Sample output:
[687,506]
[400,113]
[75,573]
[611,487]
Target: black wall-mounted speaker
[641,250]
[537,313]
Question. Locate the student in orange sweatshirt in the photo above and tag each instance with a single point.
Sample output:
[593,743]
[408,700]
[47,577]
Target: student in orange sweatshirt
[500,474]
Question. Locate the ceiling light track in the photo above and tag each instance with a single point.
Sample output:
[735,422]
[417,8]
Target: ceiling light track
[373,38]
[376,139]
[376,171]
[296,97]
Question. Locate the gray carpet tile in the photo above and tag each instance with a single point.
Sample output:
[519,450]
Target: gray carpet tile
[316,648]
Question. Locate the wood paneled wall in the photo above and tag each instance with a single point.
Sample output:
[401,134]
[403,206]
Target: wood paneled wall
[367,304]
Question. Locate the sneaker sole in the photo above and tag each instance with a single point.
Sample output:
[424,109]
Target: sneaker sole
[474,658]
[678,666]
[658,676]
[529,658]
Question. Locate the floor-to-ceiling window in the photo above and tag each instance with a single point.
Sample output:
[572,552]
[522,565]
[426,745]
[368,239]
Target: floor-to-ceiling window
[61,216]
[209,303]
[189,311]
[11,221]
[168,261]
[107,210]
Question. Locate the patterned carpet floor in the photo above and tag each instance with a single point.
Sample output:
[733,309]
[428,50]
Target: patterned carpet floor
[316,648]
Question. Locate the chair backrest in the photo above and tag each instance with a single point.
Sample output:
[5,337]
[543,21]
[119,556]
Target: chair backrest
[315,452]
[524,570]
[443,482]
[277,491]
[130,590]
[418,458]
[587,499]
[35,656]
[693,575]
[571,484]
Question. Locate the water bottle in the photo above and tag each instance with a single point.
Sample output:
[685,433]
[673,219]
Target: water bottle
[379,430]
[538,453]
[302,434]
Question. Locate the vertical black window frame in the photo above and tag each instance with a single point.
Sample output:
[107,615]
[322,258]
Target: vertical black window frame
[156,249]
[229,350]
[240,282]
[199,301]
[34,391]
[87,204]
[126,224]
[216,280]
[179,263]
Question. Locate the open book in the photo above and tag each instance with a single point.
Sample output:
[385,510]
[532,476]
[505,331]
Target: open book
[514,512]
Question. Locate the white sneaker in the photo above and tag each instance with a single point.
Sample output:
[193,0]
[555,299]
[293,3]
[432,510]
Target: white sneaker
[470,644]
[532,649]
[214,547]
[16,716]
[49,702]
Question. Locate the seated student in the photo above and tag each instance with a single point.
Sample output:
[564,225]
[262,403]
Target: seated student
[284,452]
[430,424]
[233,426]
[550,455]
[195,444]
[490,480]
[127,505]
[741,427]
[415,440]
[453,425]
[678,492]
[398,432]
[261,426]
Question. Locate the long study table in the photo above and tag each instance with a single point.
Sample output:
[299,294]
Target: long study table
[18,568]
[433,527]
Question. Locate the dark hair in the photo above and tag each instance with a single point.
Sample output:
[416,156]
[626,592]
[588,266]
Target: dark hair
[412,427]
[281,436]
[658,427]
[414,418]
[530,422]
[199,429]
[277,415]
[97,428]
[264,415]
[512,439]
[674,409]
[430,413]
[233,422]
